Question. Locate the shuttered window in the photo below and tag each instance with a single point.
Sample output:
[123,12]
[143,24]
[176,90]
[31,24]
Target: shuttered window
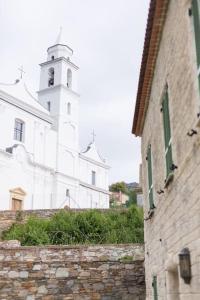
[155,289]
[151,202]
[167,134]
[196,18]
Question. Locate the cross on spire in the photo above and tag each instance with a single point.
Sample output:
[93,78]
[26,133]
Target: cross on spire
[21,71]
[93,136]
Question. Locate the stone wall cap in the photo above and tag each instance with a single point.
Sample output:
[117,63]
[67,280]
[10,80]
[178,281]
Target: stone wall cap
[12,244]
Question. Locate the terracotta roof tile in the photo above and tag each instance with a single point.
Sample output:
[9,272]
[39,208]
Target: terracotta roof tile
[155,23]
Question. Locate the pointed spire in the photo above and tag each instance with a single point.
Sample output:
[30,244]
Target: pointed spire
[59,37]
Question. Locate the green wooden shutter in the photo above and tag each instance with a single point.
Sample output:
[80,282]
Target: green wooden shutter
[167,134]
[155,289]
[196,18]
[151,202]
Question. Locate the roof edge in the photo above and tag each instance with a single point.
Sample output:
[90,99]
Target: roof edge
[154,29]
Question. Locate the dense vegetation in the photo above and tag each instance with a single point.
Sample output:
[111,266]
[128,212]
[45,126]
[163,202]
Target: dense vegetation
[87,227]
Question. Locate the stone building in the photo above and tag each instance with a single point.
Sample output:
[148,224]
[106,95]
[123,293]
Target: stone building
[167,118]
[41,165]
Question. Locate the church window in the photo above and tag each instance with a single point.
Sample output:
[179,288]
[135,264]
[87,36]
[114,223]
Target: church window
[150,180]
[19,130]
[49,106]
[69,78]
[51,77]
[93,178]
[155,288]
[167,134]
[52,58]
[67,192]
[69,108]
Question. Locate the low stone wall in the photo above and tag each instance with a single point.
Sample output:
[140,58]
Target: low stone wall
[81,273]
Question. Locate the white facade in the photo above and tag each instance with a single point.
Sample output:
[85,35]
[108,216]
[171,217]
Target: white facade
[40,162]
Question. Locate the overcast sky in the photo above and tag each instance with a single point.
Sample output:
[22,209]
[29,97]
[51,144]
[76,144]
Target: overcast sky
[107,38]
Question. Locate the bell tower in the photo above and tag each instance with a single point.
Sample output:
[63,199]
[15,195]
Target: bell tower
[58,94]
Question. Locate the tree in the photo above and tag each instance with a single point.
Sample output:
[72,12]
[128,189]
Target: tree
[119,186]
[132,198]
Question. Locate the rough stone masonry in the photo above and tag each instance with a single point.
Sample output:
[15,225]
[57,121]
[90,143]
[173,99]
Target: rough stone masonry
[81,273]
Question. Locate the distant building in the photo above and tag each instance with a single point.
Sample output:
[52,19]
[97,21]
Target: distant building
[118,198]
[132,185]
[167,118]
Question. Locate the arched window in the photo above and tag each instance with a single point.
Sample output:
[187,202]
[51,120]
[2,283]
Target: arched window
[51,77]
[19,130]
[52,58]
[69,108]
[69,78]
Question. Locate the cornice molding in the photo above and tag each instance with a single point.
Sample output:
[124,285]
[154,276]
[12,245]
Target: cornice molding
[58,86]
[95,188]
[25,107]
[94,161]
[56,60]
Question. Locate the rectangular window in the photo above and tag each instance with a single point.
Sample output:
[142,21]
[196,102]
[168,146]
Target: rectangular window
[19,130]
[151,202]
[49,106]
[167,134]
[155,289]
[93,178]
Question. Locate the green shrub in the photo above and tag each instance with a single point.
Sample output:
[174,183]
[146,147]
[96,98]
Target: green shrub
[87,227]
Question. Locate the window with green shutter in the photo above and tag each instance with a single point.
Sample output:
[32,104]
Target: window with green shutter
[155,289]
[150,180]
[196,19]
[167,134]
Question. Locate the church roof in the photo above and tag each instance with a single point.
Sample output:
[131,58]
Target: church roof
[20,91]
[91,153]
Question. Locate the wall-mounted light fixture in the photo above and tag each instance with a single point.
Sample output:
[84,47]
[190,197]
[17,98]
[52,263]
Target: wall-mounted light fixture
[160,192]
[173,167]
[192,132]
[185,265]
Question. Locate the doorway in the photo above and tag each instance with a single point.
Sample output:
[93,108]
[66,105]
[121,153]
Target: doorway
[17,196]
[16,204]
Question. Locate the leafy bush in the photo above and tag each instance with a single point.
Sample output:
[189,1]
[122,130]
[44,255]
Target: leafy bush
[87,227]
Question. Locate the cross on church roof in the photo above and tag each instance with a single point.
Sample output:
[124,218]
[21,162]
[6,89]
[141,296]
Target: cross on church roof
[93,136]
[21,71]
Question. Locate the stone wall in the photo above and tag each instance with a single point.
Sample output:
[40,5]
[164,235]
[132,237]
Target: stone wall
[60,272]
[176,220]
[8,217]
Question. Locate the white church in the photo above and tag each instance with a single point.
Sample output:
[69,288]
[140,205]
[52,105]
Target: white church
[41,166]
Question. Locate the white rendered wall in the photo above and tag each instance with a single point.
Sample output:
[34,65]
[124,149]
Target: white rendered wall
[38,138]
[86,168]
[93,196]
